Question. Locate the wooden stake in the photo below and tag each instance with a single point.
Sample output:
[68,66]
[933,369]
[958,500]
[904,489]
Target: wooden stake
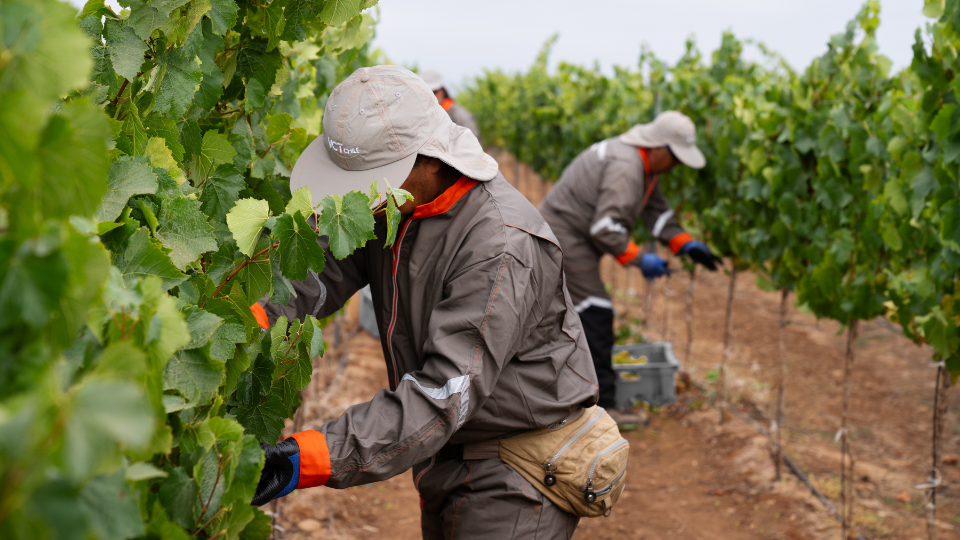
[667,293]
[847,489]
[689,314]
[778,447]
[727,338]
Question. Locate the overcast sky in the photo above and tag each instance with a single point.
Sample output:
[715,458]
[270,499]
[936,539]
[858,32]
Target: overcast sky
[462,38]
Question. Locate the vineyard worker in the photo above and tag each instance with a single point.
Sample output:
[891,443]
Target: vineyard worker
[479,334]
[592,210]
[459,115]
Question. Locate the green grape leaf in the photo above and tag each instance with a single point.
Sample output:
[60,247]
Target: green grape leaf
[259,528]
[300,15]
[246,220]
[889,233]
[161,156]
[257,277]
[178,495]
[110,506]
[933,8]
[128,177]
[278,127]
[300,200]
[255,62]
[202,325]
[194,374]
[215,150]
[185,231]
[143,470]
[227,335]
[149,15]
[143,258]
[230,525]
[133,138]
[223,15]
[161,526]
[125,48]
[180,82]
[45,53]
[950,225]
[282,288]
[299,250]
[254,95]
[100,415]
[347,222]
[221,191]
[337,12]
[72,162]
[265,419]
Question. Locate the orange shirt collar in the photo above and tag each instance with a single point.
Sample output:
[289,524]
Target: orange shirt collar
[447,103]
[446,199]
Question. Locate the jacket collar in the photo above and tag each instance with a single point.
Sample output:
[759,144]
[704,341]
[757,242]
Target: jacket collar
[446,199]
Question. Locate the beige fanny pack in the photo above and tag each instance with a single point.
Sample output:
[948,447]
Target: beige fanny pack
[579,463]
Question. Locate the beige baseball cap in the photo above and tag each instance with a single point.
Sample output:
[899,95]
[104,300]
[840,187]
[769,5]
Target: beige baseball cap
[374,125]
[433,79]
[673,129]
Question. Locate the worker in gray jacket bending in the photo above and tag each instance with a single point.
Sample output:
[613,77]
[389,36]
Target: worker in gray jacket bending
[480,337]
[592,210]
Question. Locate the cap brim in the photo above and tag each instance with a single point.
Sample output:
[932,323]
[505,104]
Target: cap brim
[691,156]
[315,170]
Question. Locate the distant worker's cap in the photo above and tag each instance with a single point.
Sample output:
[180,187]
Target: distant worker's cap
[672,129]
[374,125]
[433,79]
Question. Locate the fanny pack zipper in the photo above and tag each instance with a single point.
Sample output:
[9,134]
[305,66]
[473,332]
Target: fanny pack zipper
[591,496]
[550,479]
[588,494]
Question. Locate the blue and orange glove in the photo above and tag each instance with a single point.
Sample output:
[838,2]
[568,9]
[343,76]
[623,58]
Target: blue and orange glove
[652,266]
[684,244]
[302,461]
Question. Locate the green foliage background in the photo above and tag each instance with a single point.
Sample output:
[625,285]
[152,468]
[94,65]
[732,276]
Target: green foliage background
[144,206]
[839,182]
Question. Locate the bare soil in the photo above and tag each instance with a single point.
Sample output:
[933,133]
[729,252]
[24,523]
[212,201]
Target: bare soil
[689,477]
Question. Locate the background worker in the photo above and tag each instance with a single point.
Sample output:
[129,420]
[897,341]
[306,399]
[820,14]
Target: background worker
[592,210]
[478,331]
[459,115]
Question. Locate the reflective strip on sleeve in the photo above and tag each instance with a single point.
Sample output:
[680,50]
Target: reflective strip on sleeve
[601,149]
[321,295]
[606,223]
[314,459]
[630,254]
[593,301]
[260,315]
[677,242]
[456,385]
[661,223]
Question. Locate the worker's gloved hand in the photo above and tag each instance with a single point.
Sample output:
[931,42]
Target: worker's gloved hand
[700,253]
[281,471]
[302,461]
[652,266]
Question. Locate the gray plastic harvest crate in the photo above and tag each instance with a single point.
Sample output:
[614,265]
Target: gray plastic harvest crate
[655,385]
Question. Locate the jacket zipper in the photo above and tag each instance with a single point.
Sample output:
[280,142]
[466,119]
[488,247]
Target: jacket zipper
[561,423]
[593,466]
[393,316]
[549,466]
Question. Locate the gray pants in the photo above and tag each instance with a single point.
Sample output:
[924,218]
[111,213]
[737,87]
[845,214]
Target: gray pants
[485,498]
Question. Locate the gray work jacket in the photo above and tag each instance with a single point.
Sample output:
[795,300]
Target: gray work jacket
[593,208]
[478,331]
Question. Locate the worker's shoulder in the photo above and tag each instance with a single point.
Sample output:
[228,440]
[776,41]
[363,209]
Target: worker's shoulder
[506,214]
[620,151]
